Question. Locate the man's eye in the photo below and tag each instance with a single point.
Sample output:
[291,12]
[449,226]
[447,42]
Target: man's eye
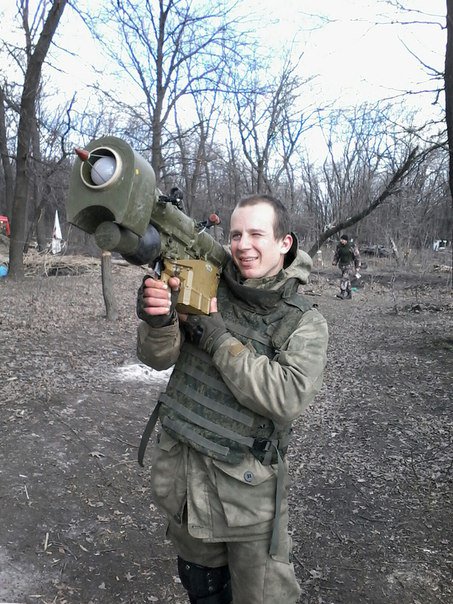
[235,237]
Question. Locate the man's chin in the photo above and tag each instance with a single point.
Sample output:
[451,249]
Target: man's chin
[250,273]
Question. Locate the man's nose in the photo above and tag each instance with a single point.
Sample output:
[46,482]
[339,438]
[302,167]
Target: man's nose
[244,242]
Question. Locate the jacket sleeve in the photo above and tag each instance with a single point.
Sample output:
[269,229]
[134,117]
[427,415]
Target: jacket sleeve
[283,387]
[158,347]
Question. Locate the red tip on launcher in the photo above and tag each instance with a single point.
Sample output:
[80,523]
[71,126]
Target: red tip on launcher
[83,154]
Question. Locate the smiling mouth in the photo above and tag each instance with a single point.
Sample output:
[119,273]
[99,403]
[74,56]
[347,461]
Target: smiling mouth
[248,260]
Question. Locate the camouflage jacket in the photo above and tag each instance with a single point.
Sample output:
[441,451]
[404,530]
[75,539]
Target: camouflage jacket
[347,254]
[222,499]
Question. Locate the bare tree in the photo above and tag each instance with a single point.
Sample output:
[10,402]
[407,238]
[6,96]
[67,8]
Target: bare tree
[170,49]
[7,163]
[270,122]
[449,89]
[49,170]
[368,157]
[35,55]
[392,187]
[196,150]
[419,213]
[439,81]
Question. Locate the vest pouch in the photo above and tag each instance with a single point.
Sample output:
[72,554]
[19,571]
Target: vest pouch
[246,491]
[168,475]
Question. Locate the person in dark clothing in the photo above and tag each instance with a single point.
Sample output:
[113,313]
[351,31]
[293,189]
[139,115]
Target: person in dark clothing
[347,257]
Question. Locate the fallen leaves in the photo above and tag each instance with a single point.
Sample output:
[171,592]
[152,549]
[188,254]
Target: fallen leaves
[371,461]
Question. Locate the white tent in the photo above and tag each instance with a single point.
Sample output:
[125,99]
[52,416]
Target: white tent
[56,235]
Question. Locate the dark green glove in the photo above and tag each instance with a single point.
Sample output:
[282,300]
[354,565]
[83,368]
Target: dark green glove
[206,331]
[155,320]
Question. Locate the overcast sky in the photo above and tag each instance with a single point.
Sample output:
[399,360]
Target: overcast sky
[350,45]
[353,46]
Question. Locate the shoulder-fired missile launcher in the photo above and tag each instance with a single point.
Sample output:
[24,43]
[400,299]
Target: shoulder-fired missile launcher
[113,195]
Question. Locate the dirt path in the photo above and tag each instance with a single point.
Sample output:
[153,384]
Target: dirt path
[371,461]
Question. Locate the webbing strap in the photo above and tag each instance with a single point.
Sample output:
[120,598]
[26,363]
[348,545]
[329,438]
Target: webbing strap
[273,549]
[201,421]
[208,380]
[267,460]
[147,433]
[189,434]
[204,401]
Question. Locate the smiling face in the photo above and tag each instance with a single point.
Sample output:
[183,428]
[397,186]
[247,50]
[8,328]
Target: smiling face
[255,250]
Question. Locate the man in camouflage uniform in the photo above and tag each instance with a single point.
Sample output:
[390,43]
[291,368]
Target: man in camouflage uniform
[348,259]
[241,376]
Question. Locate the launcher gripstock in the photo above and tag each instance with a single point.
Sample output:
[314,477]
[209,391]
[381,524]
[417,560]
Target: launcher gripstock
[113,195]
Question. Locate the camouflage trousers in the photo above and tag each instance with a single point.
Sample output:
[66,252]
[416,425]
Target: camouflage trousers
[256,577]
[347,273]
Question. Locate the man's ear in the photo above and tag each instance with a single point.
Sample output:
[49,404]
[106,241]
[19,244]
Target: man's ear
[286,244]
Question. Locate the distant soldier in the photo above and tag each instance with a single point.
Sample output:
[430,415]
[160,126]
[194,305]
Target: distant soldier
[348,259]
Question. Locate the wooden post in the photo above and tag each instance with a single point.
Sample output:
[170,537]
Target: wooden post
[395,251]
[107,287]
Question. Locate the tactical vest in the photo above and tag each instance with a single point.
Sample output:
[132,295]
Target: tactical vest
[198,408]
[345,253]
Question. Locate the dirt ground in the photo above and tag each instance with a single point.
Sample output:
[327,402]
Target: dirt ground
[371,461]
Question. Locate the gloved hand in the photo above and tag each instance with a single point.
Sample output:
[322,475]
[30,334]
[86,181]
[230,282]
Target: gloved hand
[206,331]
[153,296]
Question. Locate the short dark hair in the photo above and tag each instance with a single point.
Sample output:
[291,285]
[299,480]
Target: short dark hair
[344,237]
[282,223]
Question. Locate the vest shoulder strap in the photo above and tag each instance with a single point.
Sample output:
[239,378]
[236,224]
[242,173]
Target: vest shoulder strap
[300,301]
[287,323]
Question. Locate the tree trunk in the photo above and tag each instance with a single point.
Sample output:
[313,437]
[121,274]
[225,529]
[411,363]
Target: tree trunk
[6,162]
[448,76]
[26,121]
[107,287]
